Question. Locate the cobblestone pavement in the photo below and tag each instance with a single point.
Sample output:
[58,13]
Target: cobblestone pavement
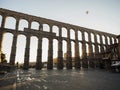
[61,80]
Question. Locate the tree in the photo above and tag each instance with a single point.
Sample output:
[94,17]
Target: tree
[3,56]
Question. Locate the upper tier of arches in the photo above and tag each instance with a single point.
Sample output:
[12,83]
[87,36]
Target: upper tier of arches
[19,21]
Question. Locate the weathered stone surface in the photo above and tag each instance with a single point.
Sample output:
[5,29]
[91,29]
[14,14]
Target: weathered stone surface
[92,42]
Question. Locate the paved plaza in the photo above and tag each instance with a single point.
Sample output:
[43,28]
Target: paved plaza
[60,80]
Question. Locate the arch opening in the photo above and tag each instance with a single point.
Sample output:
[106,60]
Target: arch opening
[55,29]
[113,40]
[79,35]
[20,50]
[108,39]
[10,23]
[64,49]
[72,34]
[104,48]
[98,38]
[73,49]
[64,32]
[46,27]
[55,52]
[0,20]
[92,37]
[86,36]
[35,25]
[93,48]
[33,50]
[7,44]
[103,39]
[87,49]
[99,49]
[23,24]
[80,49]
[44,49]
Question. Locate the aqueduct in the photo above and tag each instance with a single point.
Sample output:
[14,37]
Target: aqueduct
[96,41]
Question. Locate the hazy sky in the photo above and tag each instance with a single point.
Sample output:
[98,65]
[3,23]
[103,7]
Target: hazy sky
[104,15]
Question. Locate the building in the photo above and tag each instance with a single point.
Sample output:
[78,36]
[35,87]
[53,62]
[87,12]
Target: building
[111,57]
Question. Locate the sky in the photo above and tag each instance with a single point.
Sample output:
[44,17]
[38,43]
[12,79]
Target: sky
[103,15]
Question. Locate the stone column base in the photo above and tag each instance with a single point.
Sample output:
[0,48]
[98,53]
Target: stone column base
[60,63]
[85,63]
[77,63]
[91,63]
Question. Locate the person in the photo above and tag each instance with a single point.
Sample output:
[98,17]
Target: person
[17,64]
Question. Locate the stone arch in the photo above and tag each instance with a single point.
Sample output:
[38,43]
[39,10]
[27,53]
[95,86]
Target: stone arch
[33,48]
[23,24]
[92,37]
[93,48]
[55,29]
[55,52]
[72,34]
[79,35]
[0,20]
[20,51]
[113,40]
[73,49]
[117,40]
[50,26]
[10,22]
[108,39]
[80,49]
[46,27]
[55,48]
[7,44]
[103,39]
[35,25]
[98,38]
[87,48]
[45,43]
[64,49]
[86,36]
[99,49]
[104,48]
[64,32]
